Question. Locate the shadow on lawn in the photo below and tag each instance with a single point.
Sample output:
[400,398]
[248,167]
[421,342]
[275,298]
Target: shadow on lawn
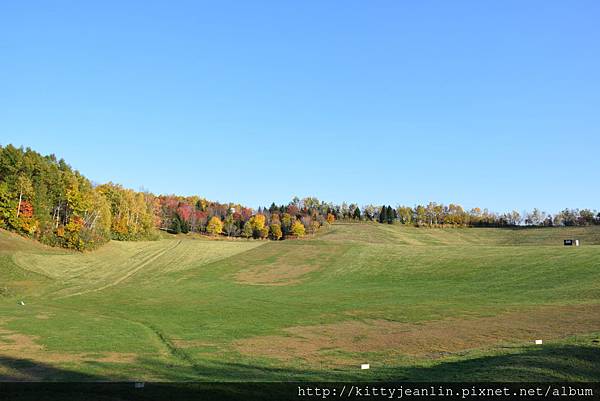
[27,370]
[549,364]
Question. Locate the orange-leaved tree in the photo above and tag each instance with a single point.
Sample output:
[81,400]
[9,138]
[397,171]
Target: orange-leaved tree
[330,218]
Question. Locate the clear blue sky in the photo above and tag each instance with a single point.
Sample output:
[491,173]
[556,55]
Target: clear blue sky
[492,104]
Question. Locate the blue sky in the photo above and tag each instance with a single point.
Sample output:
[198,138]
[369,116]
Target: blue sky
[491,104]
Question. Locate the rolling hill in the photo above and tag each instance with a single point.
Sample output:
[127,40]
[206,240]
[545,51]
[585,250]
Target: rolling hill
[417,304]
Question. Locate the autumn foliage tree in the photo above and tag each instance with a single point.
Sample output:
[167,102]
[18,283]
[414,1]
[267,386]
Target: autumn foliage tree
[26,220]
[276,232]
[257,223]
[44,198]
[215,226]
[132,213]
[330,218]
[298,229]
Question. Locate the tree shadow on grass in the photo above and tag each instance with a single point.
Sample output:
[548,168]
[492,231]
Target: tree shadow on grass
[19,370]
[27,380]
[548,364]
[551,363]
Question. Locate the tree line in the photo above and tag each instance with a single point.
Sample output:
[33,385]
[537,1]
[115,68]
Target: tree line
[440,215]
[178,214]
[44,198]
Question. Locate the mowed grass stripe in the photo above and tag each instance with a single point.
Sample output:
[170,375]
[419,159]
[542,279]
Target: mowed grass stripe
[207,297]
[133,270]
[76,274]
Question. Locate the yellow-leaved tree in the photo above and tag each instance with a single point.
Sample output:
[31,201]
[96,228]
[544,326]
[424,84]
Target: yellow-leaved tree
[257,222]
[298,228]
[215,226]
[276,232]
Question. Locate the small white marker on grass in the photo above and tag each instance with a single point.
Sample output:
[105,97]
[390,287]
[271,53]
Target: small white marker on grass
[365,366]
[538,342]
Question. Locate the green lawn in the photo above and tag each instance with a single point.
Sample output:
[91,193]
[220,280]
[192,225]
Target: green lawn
[417,304]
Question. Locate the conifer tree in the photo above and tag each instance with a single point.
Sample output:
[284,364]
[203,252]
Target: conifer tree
[390,215]
[176,226]
[383,214]
[185,226]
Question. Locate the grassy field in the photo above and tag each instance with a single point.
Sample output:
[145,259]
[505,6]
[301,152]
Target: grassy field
[417,304]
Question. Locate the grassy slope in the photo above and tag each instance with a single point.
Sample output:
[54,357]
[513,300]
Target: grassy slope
[181,305]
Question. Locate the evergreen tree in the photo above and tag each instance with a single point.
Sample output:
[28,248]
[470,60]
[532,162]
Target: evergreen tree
[357,213]
[383,214]
[185,226]
[390,215]
[176,225]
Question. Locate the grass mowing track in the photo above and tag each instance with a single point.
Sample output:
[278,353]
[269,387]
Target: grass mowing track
[415,303]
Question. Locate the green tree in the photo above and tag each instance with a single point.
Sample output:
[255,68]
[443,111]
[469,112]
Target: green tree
[390,215]
[25,189]
[176,225]
[420,215]
[405,214]
[247,231]
[229,226]
[8,206]
[185,226]
[383,214]
[286,223]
